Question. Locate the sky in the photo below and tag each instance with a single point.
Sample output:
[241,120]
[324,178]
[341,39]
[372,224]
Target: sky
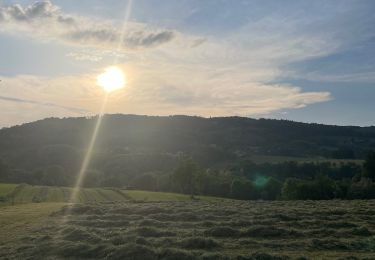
[309,61]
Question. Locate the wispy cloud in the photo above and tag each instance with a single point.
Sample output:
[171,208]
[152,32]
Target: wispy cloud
[47,21]
[27,101]
[194,74]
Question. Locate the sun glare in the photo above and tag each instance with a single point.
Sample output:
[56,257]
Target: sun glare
[113,78]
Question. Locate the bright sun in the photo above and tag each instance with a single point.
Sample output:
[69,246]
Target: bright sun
[112,79]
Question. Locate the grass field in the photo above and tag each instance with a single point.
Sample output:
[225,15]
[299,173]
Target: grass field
[15,221]
[122,224]
[23,193]
[189,230]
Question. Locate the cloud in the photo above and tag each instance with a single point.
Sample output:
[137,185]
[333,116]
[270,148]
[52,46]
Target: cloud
[19,100]
[94,55]
[132,40]
[47,21]
[26,98]
[149,92]
[233,74]
[351,77]
[83,56]
[208,94]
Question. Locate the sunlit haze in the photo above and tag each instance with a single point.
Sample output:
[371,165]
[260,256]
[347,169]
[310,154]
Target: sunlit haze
[112,79]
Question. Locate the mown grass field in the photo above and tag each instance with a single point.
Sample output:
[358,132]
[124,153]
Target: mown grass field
[150,225]
[22,193]
[6,188]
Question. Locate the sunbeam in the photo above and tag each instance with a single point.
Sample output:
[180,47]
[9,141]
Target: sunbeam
[123,29]
[111,80]
[87,158]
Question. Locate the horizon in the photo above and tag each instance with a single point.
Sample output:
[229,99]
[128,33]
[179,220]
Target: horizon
[299,61]
[181,115]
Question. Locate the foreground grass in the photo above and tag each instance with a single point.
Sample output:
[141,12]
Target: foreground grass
[191,230]
[18,220]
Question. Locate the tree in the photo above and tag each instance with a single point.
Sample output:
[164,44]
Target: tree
[243,189]
[92,178]
[290,190]
[364,189]
[369,166]
[146,181]
[54,175]
[322,188]
[272,189]
[185,177]
[4,171]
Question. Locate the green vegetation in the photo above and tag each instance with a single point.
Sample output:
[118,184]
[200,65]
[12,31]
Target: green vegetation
[238,158]
[50,151]
[6,188]
[20,219]
[23,193]
[260,159]
[243,180]
[168,189]
[189,229]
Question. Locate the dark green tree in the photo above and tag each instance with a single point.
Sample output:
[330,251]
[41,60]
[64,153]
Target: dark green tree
[243,189]
[369,166]
[54,175]
[291,189]
[4,171]
[147,181]
[185,177]
[272,189]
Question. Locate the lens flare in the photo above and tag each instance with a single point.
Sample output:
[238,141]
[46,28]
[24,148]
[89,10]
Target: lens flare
[112,79]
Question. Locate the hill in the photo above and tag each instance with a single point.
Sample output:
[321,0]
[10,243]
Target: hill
[143,151]
[213,138]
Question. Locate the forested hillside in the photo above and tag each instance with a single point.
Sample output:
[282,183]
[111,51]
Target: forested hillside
[209,140]
[143,151]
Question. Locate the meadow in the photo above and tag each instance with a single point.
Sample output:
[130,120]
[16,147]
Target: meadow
[23,193]
[148,225]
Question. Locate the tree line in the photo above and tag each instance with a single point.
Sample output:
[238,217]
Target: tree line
[240,180]
[360,185]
